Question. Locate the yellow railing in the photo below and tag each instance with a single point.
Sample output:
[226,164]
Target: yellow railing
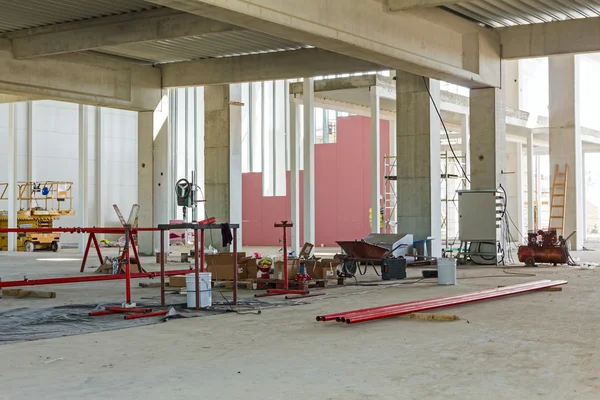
[43,198]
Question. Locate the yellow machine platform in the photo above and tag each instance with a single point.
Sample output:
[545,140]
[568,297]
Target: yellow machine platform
[39,205]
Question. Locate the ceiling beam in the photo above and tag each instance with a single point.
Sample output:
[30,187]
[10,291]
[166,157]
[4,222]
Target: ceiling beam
[113,31]
[551,38]
[134,87]
[402,5]
[369,31]
[262,67]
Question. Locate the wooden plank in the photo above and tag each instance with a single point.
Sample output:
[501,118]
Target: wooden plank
[22,293]
[434,317]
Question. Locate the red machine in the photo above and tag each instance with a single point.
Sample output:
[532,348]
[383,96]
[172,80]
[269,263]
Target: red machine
[546,248]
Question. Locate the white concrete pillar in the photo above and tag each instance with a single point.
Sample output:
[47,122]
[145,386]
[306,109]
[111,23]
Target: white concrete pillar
[530,183]
[31,156]
[82,177]
[584,196]
[512,84]
[155,189]
[464,140]
[375,160]
[538,193]
[309,160]
[487,146]
[514,188]
[12,191]
[295,129]
[565,139]
[418,149]
[222,156]
[99,167]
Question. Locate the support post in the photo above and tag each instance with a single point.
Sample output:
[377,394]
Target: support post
[565,138]
[12,191]
[222,154]
[375,160]
[418,146]
[83,174]
[295,126]
[309,160]
[100,180]
[530,183]
[464,140]
[31,156]
[155,189]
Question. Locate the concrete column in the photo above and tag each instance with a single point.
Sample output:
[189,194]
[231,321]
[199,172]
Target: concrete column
[530,183]
[464,140]
[538,193]
[487,126]
[514,188]
[565,138]
[584,196]
[99,167]
[309,161]
[155,189]
[30,147]
[375,160]
[295,128]
[12,190]
[222,156]
[418,148]
[82,177]
[512,84]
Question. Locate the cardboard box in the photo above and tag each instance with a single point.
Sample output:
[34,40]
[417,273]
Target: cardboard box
[177,281]
[250,268]
[325,268]
[222,258]
[293,268]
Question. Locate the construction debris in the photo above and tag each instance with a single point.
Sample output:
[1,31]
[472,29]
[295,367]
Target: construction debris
[434,317]
[22,293]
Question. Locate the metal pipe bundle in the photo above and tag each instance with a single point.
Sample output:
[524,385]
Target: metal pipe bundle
[369,314]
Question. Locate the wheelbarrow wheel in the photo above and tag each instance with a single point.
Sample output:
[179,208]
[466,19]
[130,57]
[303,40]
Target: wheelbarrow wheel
[349,267]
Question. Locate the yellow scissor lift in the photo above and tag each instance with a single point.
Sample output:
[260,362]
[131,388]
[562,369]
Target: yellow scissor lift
[39,204]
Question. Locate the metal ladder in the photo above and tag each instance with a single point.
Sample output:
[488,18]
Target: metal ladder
[558,200]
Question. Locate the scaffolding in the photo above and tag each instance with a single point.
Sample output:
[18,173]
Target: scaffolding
[452,179]
[390,194]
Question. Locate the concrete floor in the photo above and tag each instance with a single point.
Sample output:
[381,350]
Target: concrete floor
[540,345]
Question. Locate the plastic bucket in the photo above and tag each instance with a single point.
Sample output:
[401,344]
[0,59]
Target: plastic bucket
[205,289]
[446,271]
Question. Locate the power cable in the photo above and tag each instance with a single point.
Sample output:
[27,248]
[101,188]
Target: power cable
[437,110]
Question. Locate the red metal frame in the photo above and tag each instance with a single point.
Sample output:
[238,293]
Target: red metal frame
[373,313]
[95,278]
[198,251]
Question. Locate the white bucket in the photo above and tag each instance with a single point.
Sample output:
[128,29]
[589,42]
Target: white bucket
[446,271]
[205,289]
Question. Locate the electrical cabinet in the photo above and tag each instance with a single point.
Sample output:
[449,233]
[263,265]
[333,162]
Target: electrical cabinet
[480,213]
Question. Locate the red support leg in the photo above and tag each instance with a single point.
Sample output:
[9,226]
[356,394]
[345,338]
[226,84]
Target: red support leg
[196,269]
[135,252]
[93,235]
[86,252]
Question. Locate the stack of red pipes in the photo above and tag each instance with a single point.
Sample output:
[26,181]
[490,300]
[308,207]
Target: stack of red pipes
[369,314]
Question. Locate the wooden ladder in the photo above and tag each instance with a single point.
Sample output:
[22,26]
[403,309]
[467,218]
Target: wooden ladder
[558,201]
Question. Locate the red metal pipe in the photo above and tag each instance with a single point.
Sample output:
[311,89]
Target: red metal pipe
[108,231]
[329,317]
[453,302]
[392,307]
[77,279]
[146,315]
[118,309]
[443,301]
[302,296]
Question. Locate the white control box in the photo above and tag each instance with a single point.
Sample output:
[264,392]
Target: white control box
[479,215]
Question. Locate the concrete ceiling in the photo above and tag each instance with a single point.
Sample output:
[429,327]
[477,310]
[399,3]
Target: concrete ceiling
[25,14]
[502,13]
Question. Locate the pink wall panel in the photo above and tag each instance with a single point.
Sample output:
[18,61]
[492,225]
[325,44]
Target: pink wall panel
[342,190]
